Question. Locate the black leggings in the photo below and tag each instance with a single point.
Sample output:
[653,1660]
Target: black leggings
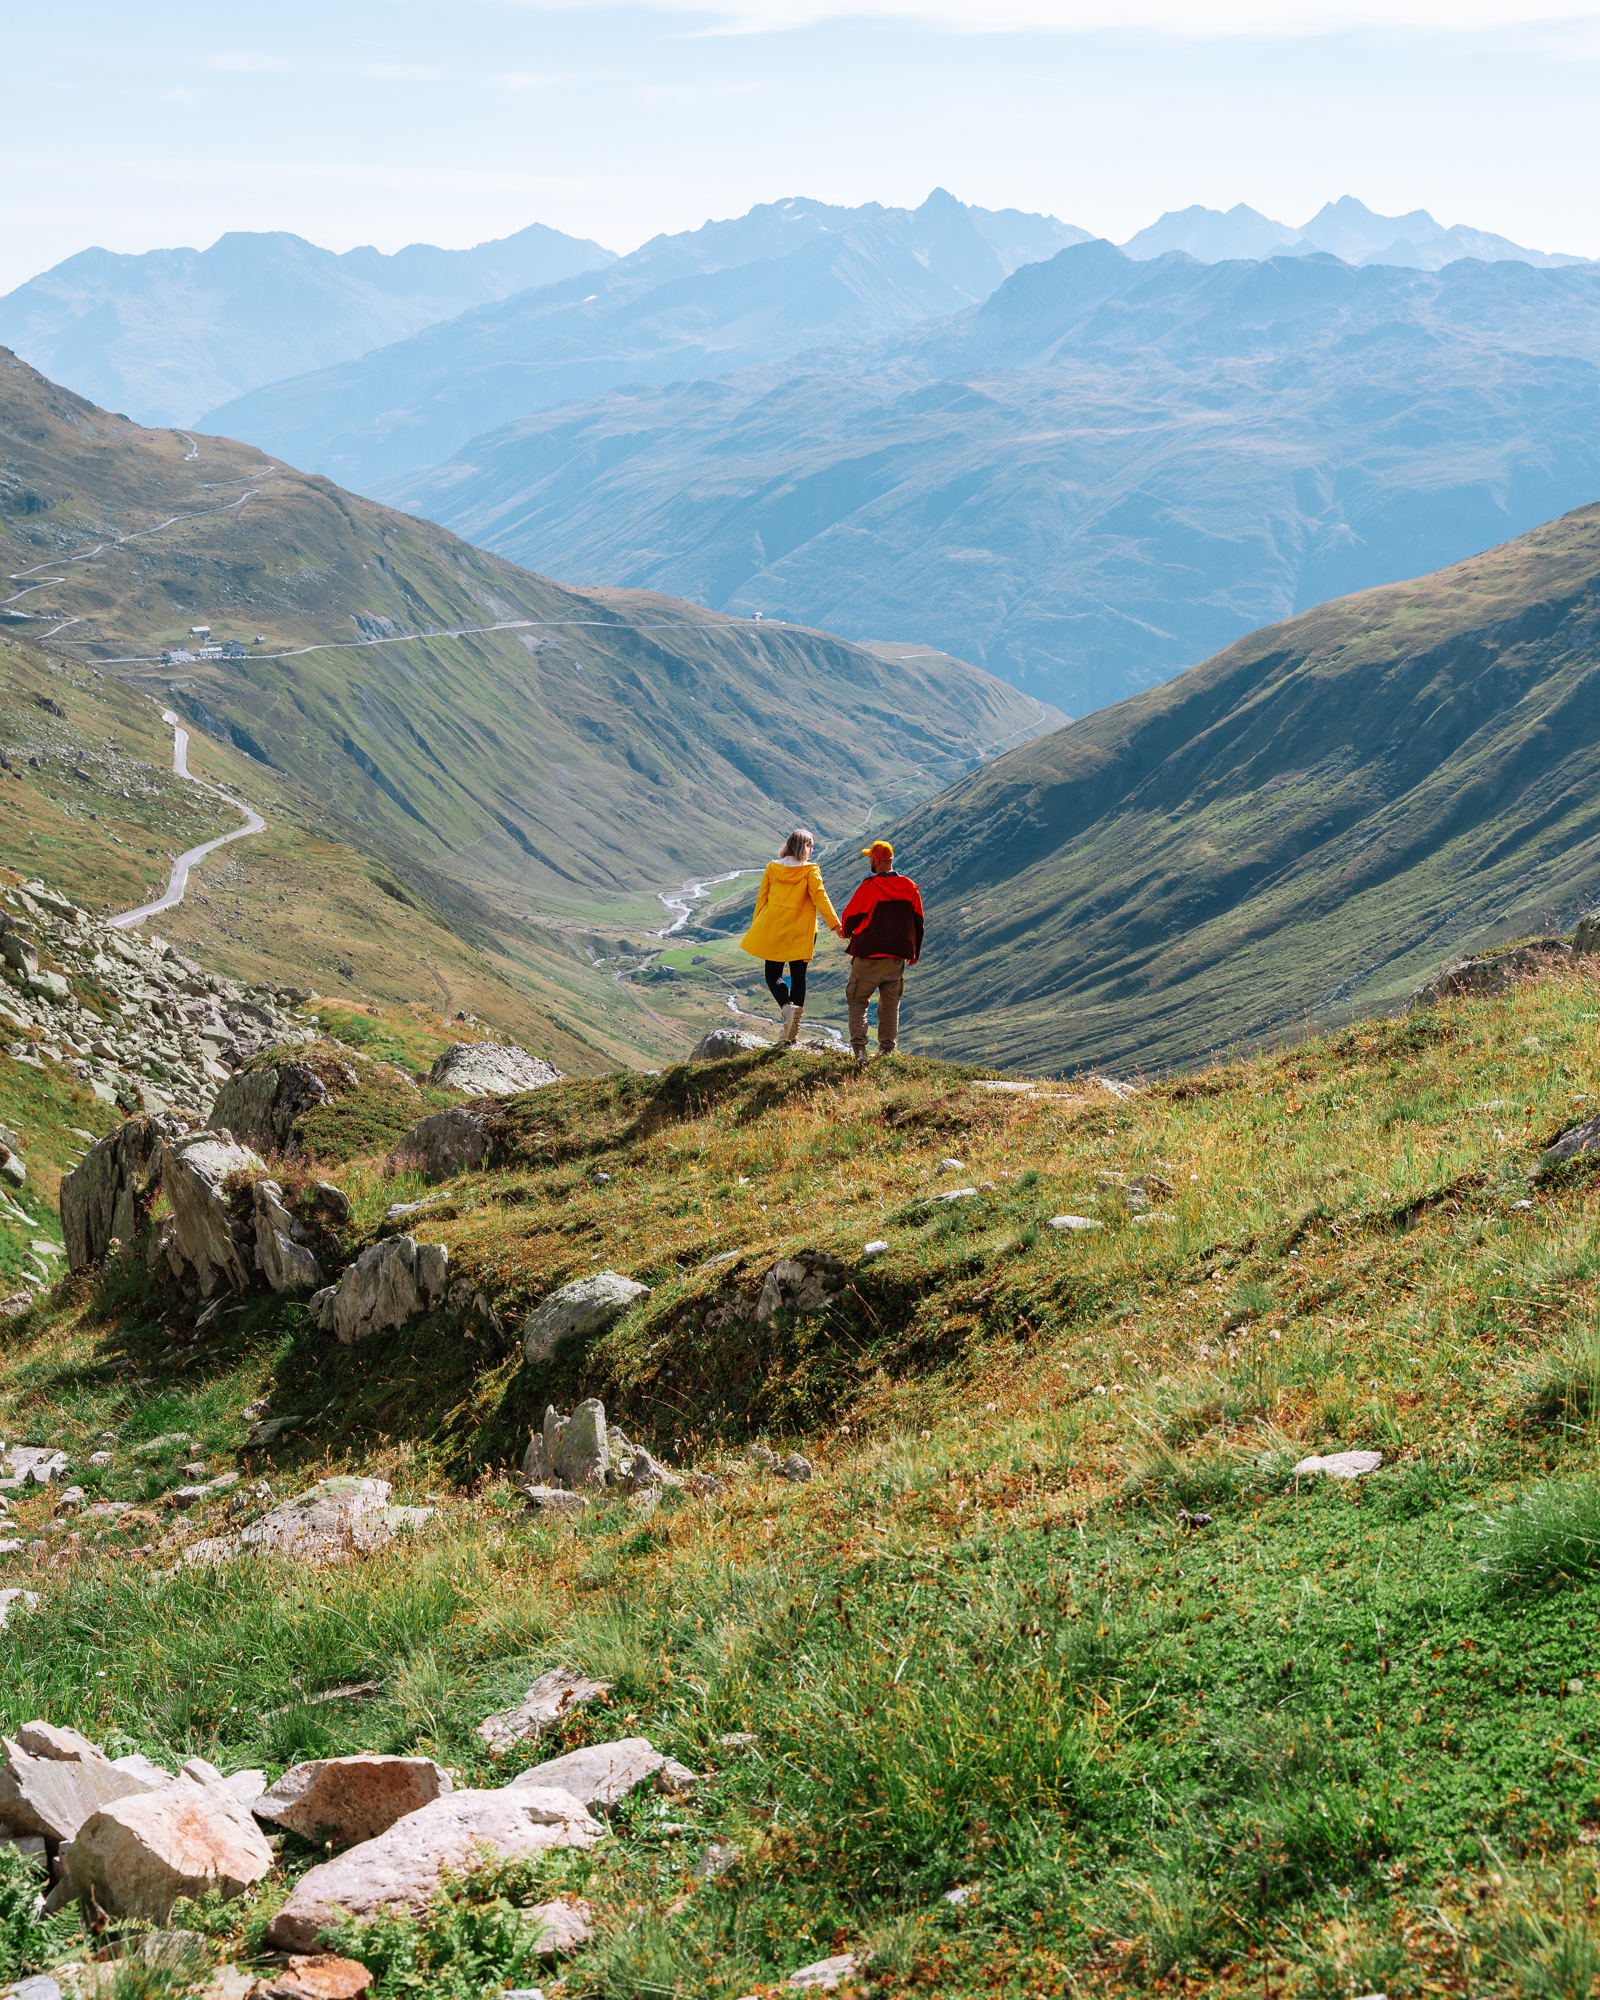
[796,988]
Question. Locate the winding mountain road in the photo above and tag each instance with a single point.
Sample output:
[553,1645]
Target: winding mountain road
[179,879]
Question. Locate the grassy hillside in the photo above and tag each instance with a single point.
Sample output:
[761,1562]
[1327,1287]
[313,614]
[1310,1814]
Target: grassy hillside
[1301,1737]
[542,745]
[1301,828]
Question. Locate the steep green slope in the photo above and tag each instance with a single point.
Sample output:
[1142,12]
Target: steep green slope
[1297,829]
[549,747]
[1054,1622]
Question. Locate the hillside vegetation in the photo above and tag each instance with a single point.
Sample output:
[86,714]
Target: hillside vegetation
[544,747]
[1053,1622]
[1298,830]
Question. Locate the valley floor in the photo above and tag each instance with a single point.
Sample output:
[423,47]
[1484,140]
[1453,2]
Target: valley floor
[1054,1622]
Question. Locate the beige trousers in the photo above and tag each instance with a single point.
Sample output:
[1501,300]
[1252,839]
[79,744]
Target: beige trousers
[887,978]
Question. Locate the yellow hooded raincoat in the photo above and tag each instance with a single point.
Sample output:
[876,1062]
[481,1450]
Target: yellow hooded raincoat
[785,924]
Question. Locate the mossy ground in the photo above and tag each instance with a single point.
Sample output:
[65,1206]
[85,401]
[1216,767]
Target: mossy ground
[1341,1738]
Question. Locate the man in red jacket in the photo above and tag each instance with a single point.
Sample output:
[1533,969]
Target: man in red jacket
[882,924]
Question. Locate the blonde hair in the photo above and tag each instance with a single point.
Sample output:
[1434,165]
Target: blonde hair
[794,847]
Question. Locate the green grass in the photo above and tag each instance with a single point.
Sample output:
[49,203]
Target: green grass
[1343,1734]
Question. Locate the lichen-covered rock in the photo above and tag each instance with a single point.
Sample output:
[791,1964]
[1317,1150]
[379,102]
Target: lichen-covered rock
[99,1197]
[803,1284]
[402,1869]
[207,1242]
[491,1069]
[571,1312]
[1496,973]
[336,1517]
[456,1140]
[139,1855]
[605,1773]
[583,1453]
[388,1284]
[547,1702]
[351,1798]
[721,1043]
[285,1261]
[260,1106]
[1584,1138]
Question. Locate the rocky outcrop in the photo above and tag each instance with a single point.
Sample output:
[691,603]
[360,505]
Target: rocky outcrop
[282,1255]
[454,1141]
[402,1869]
[577,1311]
[388,1284]
[138,1856]
[583,1453]
[1584,1138]
[53,1780]
[334,1519]
[204,1240]
[547,1702]
[804,1283]
[260,1106]
[100,1198]
[1495,974]
[491,1069]
[721,1043]
[350,1799]
[173,1030]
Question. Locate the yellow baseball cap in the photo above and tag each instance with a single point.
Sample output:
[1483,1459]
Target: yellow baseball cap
[879,847]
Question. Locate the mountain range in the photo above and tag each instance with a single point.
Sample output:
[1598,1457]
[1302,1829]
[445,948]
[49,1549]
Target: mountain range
[1101,475]
[788,277]
[1346,228]
[167,334]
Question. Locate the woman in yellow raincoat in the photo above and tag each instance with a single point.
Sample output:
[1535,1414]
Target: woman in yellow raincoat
[784,930]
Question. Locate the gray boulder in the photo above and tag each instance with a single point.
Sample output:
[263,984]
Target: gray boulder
[21,953]
[454,1141]
[605,1773]
[1586,938]
[281,1253]
[334,1519]
[402,1868]
[98,1198]
[1496,973]
[260,1106]
[576,1311]
[202,1239]
[351,1798]
[550,1698]
[388,1284]
[802,1284]
[55,1780]
[583,1453]
[491,1069]
[721,1043]
[1584,1138]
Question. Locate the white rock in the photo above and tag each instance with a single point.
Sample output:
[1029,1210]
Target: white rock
[1074,1222]
[54,1792]
[721,1043]
[1342,1464]
[352,1798]
[603,1773]
[193,1171]
[490,1069]
[139,1856]
[402,1868]
[550,1697]
[285,1261]
[9,1599]
[335,1517]
[955,1194]
[874,1249]
[825,1974]
[387,1284]
[577,1310]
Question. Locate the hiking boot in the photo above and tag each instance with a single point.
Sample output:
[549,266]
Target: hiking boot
[791,1025]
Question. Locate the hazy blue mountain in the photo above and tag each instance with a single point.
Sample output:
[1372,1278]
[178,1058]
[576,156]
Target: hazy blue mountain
[787,277]
[1346,228]
[1106,472]
[165,335]
[1212,236]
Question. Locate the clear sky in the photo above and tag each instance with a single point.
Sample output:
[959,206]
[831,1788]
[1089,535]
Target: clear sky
[395,121]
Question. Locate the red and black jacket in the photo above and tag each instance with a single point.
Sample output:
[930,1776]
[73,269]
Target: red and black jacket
[883,919]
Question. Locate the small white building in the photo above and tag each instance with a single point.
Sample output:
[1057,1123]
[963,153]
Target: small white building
[199,631]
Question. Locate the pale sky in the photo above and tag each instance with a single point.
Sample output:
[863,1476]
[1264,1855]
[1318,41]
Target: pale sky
[396,121]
